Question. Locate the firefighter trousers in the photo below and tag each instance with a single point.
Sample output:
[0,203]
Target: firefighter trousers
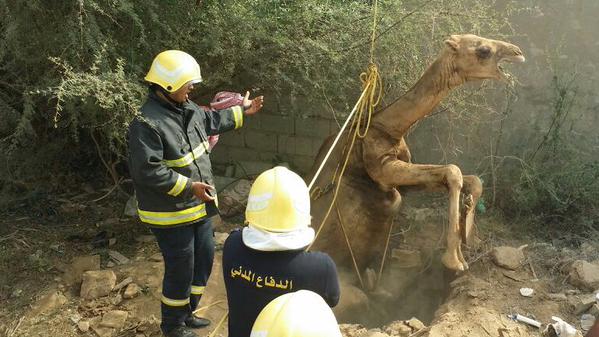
[188,253]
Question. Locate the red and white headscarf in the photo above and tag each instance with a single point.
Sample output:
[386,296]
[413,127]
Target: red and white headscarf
[223,100]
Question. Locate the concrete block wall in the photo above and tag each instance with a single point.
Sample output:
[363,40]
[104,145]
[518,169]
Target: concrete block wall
[267,139]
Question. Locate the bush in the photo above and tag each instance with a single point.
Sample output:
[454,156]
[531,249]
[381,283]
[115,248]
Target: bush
[558,185]
[72,69]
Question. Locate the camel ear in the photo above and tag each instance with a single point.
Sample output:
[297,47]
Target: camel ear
[453,42]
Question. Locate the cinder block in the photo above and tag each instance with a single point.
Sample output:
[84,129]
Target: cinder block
[251,123]
[220,153]
[260,141]
[231,139]
[286,145]
[241,154]
[305,146]
[250,168]
[269,157]
[312,127]
[276,124]
[303,164]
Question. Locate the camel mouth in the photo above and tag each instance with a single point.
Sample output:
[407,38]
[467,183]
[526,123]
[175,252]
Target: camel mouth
[513,59]
[508,59]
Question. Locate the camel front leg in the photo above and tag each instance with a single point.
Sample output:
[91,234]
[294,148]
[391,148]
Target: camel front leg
[398,173]
[472,190]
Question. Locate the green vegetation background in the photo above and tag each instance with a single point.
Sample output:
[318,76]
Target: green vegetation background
[71,79]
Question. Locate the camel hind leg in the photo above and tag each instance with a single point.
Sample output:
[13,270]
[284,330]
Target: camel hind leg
[472,190]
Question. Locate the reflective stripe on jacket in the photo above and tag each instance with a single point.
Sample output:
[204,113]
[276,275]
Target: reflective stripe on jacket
[168,149]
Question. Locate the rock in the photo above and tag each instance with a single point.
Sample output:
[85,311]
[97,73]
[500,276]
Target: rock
[594,310]
[97,283]
[398,328]
[557,297]
[404,258]
[102,331]
[48,303]
[353,301]
[145,238]
[80,265]
[123,284]
[110,264]
[131,207]
[584,275]
[375,333]
[587,321]
[581,303]
[156,257]
[233,199]
[508,257]
[83,326]
[132,291]
[75,318]
[588,249]
[111,242]
[118,299]
[117,257]
[415,324]
[352,330]
[114,319]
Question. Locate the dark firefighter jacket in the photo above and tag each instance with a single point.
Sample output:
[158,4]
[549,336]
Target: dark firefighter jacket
[168,149]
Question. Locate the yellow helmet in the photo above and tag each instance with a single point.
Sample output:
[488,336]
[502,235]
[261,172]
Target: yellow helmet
[172,69]
[278,202]
[299,314]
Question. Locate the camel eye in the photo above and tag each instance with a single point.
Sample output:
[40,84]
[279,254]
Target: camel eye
[483,52]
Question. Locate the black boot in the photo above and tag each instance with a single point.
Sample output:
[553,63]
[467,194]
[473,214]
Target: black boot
[196,322]
[180,331]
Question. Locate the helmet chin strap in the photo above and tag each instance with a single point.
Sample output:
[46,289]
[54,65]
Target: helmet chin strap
[165,94]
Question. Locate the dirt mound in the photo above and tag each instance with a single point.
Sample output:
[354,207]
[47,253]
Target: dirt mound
[415,287]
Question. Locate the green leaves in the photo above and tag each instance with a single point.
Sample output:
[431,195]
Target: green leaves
[78,65]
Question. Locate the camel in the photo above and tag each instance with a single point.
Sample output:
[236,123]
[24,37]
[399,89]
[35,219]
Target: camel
[380,164]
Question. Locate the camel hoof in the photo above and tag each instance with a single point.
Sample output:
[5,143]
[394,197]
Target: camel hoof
[452,262]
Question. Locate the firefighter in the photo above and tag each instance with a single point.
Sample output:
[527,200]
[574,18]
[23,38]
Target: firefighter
[172,176]
[267,258]
[299,314]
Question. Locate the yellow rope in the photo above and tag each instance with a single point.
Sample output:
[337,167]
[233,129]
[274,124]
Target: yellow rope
[207,306]
[220,323]
[351,251]
[370,98]
[373,37]
[378,279]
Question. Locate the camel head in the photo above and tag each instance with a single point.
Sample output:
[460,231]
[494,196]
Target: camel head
[477,58]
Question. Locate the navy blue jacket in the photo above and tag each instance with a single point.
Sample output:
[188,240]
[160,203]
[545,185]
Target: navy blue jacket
[254,278]
[168,150]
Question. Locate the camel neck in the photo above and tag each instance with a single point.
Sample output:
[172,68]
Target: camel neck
[434,85]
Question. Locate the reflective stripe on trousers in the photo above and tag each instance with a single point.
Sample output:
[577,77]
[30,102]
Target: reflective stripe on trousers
[188,253]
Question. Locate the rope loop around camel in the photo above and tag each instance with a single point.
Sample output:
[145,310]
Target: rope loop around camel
[369,99]
[372,92]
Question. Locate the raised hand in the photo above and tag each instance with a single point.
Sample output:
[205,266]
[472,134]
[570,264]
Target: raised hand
[254,105]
